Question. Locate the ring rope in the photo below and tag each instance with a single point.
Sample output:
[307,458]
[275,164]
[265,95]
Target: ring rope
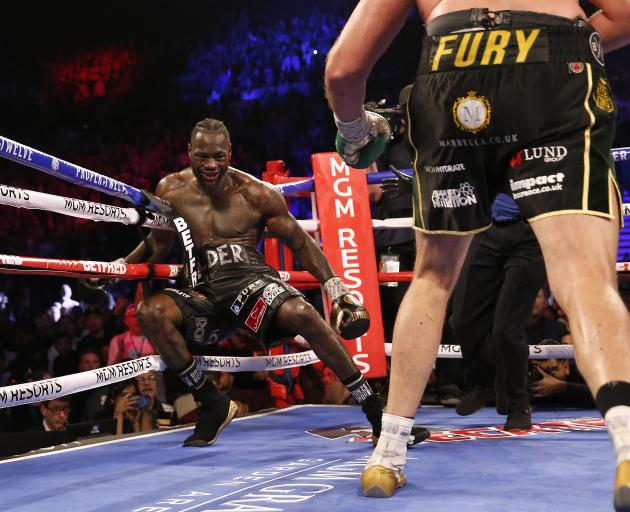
[32,200]
[98,212]
[10,264]
[21,153]
[49,389]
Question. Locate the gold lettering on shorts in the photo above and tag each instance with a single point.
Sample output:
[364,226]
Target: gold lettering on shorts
[462,59]
[602,96]
[443,50]
[497,41]
[525,43]
[488,48]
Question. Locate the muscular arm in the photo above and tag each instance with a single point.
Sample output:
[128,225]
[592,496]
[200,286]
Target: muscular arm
[612,22]
[160,240]
[280,223]
[367,34]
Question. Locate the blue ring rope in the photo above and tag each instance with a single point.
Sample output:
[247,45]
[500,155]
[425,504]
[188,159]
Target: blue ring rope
[78,175]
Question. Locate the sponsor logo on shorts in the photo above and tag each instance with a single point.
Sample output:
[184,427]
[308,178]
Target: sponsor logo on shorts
[595,42]
[603,97]
[548,154]
[454,197]
[271,292]
[537,185]
[472,113]
[488,48]
[444,168]
[241,298]
[480,141]
[576,67]
[224,255]
[256,315]
[199,335]
[178,292]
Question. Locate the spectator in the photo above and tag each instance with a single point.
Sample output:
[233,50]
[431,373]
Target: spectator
[55,413]
[97,335]
[558,382]
[543,328]
[90,404]
[148,384]
[64,304]
[131,344]
[132,410]
[67,361]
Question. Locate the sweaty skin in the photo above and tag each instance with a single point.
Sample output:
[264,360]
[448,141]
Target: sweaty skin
[222,204]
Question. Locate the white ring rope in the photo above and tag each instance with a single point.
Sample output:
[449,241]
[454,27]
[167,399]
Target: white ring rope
[56,387]
[30,199]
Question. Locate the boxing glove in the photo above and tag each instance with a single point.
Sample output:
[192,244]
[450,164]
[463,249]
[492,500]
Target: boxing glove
[360,142]
[348,316]
[100,283]
[399,186]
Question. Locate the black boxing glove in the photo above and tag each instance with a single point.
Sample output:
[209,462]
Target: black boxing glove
[100,283]
[399,186]
[348,316]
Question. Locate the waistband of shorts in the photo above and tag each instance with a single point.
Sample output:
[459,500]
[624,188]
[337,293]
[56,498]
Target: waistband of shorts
[481,19]
[561,40]
[226,256]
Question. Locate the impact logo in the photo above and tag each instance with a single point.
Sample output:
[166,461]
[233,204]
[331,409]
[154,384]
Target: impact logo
[548,154]
[472,113]
[454,197]
[537,185]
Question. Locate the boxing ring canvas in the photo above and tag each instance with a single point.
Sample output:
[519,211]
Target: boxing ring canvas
[309,458]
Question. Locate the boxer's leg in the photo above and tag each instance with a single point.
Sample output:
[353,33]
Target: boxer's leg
[296,316]
[417,335]
[580,254]
[161,320]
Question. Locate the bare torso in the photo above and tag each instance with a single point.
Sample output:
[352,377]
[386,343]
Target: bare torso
[429,9]
[234,214]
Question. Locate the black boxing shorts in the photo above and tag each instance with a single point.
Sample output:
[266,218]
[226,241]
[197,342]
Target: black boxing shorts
[239,291]
[512,102]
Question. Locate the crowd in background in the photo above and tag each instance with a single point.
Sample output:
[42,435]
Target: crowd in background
[259,71]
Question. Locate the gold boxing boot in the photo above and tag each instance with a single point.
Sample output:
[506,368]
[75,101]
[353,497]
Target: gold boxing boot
[380,481]
[622,487]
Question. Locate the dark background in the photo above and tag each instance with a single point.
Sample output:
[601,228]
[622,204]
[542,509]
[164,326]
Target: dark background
[116,87]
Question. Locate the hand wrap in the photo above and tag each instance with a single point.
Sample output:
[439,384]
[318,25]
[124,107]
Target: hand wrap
[348,316]
[360,142]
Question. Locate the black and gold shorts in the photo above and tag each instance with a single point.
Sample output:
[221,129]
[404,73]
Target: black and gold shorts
[519,105]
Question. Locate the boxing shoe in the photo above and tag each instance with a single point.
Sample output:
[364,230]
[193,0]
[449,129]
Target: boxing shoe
[473,400]
[212,419]
[519,419]
[622,487]
[379,481]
